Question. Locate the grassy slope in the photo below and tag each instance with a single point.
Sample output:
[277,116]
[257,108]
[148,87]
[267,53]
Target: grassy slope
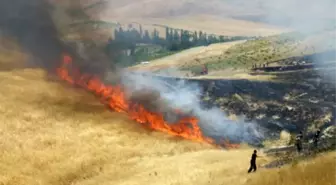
[235,54]
[222,58]
[188,57]
[53,134]
[122,12]
[62,140]
[305,173]
[49,135]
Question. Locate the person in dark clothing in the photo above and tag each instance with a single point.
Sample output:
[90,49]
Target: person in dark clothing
[253,165]
[299,142]
[205,70]
[316,138]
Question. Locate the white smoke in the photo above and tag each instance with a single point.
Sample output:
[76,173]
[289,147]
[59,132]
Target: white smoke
[185,97]
[305,16]
[316,20]
[300,15]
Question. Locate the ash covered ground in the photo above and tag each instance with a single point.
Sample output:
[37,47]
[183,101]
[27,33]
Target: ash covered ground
[299,100]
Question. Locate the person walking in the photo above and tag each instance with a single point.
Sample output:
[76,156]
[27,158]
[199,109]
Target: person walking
[299,142]
[316,138]
[253,164]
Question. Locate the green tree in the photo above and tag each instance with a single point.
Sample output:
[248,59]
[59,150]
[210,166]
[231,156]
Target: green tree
[155,37]
[169,38]
[176,37]
[140,31]
[185,39]
[146,38]
[167,34]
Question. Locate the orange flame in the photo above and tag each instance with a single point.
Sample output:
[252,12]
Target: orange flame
[114,97]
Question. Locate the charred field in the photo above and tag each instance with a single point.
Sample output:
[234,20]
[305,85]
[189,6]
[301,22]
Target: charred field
[294,100]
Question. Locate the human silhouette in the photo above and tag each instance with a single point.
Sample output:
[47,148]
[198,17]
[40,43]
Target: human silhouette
[253,165]
[299,142]
[316,138]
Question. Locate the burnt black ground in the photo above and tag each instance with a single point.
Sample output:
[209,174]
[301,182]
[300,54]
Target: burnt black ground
[312,96]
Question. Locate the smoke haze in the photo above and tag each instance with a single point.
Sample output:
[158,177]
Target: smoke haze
[185,97]
[303,15]
[300,15]
[31,23]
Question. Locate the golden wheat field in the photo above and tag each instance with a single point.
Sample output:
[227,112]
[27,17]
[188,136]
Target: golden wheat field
[52,134]
[56,135]
[319,171]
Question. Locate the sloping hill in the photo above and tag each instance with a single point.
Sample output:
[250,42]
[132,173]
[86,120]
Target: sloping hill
[51,134]
[207,23]
[155,8]
[54,134]
[255,10]
[193,56]
[215,17]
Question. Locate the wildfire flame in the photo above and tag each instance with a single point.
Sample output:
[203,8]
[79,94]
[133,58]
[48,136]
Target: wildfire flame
[114,97]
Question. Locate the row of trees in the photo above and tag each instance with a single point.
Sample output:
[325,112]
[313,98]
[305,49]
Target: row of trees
[184,39]
[123,46]
[173,40]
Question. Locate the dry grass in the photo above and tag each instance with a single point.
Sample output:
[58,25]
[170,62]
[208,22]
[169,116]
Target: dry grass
[51,134]
[220,26]
[56,135]
[187,57]
[234,75]
[233,60]
[319,171]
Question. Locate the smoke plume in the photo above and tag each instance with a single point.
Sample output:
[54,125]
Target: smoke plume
[184,96]
[31,24]
[306,16]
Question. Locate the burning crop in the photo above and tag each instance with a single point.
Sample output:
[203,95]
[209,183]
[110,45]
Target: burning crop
[114,96]
[31,24]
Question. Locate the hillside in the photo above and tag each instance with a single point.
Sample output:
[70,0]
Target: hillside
[235,58]
[52,133]
[206,23]
[211,17]
[67,137]
[224,16]
[246,18]
[256,10]
[303,173]
[193,56]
